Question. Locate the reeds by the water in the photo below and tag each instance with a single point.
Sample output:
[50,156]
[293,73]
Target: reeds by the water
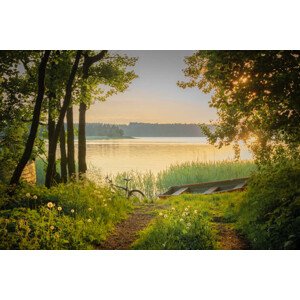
[186,173]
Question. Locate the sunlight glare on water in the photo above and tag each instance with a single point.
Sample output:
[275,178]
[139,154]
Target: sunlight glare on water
[153,153]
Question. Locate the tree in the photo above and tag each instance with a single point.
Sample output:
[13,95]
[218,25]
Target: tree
[89,60]
[256,94]
[102,76]
[66,104]
[35,120]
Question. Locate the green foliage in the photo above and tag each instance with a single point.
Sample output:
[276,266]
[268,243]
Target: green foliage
[256,94]
[188,223]
[181,228]
[71,216]
[270,214]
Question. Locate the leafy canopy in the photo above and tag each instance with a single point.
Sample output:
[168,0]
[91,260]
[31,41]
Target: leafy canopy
[256,94]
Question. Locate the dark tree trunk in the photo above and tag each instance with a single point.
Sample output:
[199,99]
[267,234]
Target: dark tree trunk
[51,127]
[35,120]
[70,143]
[60,122]
[82,140]
[63,155]
[88,62]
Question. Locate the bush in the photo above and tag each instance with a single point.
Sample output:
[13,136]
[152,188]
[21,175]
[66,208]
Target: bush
[270,214]
[68,216]
[181,228]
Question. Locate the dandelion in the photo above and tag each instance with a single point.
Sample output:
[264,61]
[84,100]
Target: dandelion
[160,213]
[195,211]
[35,197]
[72,211]
[89,220]
[165,216]
[50,205]
[89,209]
[59,208]
[52,227]
[28,195]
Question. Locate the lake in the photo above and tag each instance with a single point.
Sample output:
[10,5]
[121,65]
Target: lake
[156,153]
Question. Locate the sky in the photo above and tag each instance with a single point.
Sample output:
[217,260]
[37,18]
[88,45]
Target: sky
[154,97]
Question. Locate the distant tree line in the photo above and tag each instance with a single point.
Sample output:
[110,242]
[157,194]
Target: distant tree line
[162,130]
[100,129]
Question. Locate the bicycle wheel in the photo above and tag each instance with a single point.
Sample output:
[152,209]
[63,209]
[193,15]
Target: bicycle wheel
[136,195]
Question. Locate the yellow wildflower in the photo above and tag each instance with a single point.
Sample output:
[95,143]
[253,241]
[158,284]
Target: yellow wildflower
[50,204]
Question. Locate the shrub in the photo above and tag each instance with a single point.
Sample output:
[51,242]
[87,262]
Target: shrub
[270,214]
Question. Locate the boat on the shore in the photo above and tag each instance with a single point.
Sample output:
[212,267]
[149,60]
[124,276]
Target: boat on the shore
[207,188]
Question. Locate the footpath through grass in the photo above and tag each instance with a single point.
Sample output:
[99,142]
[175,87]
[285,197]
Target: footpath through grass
[195,222]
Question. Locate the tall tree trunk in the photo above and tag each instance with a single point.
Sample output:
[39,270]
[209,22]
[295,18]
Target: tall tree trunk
[60,122]
[82,140]
[63,155]
[51,127]
[88,62]
[35,120]
[70,143]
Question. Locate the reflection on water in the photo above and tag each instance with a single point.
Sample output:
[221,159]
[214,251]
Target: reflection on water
[155,154]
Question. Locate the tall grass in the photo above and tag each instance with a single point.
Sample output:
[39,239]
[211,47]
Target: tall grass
[186,173]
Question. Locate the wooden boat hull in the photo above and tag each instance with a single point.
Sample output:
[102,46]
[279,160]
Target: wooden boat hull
[207,188]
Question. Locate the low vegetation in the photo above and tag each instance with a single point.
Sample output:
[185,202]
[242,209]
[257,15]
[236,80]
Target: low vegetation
[70,216]
[189,222]
[186,173]
[270,213]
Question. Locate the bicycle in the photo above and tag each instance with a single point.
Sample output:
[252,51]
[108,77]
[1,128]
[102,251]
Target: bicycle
[129,193]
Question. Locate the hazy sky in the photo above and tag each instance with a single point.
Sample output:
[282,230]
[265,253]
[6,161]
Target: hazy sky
[154,96]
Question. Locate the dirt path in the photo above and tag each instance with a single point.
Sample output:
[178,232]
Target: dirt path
[127,231]
[228,237]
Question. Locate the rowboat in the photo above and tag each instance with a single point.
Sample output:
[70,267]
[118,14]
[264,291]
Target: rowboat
[207,188]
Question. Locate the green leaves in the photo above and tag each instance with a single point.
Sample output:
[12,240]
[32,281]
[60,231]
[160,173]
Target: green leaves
[256,94]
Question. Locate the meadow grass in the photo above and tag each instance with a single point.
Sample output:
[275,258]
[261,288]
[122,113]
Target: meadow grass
[188,222]
[76,215]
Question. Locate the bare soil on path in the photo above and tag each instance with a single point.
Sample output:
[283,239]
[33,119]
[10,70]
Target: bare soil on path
[126,232]
[228,237]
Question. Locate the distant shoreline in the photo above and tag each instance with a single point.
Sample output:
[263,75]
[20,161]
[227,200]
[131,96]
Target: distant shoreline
[89,138]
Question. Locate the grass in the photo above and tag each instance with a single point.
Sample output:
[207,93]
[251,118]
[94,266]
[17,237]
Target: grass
[186,173]
[71,216]
[188,223]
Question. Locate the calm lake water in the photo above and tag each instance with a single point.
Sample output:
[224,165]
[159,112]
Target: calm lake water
[155,153]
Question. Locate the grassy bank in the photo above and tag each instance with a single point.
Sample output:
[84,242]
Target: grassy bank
[186,173]
[71,216]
